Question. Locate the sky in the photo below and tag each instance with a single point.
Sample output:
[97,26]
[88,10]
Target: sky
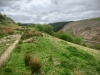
[49,11]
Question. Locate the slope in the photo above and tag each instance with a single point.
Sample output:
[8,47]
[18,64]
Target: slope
[6,21]
[58,57]
[88,29]
[58,25]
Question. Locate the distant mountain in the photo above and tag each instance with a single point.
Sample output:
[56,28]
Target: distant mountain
[58,25]
[25,24]
[88,29]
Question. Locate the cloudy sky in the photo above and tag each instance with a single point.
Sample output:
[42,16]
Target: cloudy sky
[45,11]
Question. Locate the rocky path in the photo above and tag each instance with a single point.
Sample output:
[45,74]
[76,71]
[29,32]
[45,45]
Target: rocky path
[6,54]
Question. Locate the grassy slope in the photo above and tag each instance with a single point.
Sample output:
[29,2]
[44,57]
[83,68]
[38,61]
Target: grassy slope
[57,56]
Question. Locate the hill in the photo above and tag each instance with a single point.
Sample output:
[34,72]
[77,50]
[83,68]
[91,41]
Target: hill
[56,57]
[58,25]
[88,29]
[7,26]
[6,21]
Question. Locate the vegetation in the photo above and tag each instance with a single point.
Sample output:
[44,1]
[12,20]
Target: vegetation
[5,31]
[58,25]
[35,65]
[38,53]
[28,56]
[45,28]
[20,24]
[49,57]
[67,37]
[4,19]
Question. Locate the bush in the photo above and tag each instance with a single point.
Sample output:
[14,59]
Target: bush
[8,70]
[78,40]
[35,65]
[39,27]
[64,36]
[27,59]
[20,24]
[48,29]
[45,28]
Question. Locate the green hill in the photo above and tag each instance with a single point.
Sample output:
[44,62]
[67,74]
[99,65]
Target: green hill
[6,21]
[58,25]
[57,57]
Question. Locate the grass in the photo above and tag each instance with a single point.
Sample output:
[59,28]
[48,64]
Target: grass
[4,31]
[57,57]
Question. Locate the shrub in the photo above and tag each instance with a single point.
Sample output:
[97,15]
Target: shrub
[78,40]
[48,29]
[8,70]
[27,59]
[20,24]
[39,27]
[35,65]
[66,37]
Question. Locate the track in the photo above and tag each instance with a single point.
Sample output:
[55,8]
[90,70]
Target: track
[6,54]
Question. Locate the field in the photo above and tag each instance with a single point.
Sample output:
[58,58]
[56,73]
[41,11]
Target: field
[57,57]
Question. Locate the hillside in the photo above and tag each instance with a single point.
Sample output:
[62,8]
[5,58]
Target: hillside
[38,53]
[6,21]
[57,57]
[88,29]
[58,25]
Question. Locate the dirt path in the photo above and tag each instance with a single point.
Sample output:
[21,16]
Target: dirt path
[6,54]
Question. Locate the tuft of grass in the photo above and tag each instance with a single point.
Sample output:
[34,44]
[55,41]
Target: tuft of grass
[27,59]
[35,65]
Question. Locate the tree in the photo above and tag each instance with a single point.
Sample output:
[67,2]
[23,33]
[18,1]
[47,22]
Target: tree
[39,27]
[20,24]
[48,29]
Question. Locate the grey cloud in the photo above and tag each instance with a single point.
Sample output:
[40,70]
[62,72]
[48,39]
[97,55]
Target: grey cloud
[50,10]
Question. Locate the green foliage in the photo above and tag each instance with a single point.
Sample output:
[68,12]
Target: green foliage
[20,24]
[45,28]
[39,27]
[48,29]
[67,37]
[83,44]
[64,36]
[27,59]
[7,69]
[78,40]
